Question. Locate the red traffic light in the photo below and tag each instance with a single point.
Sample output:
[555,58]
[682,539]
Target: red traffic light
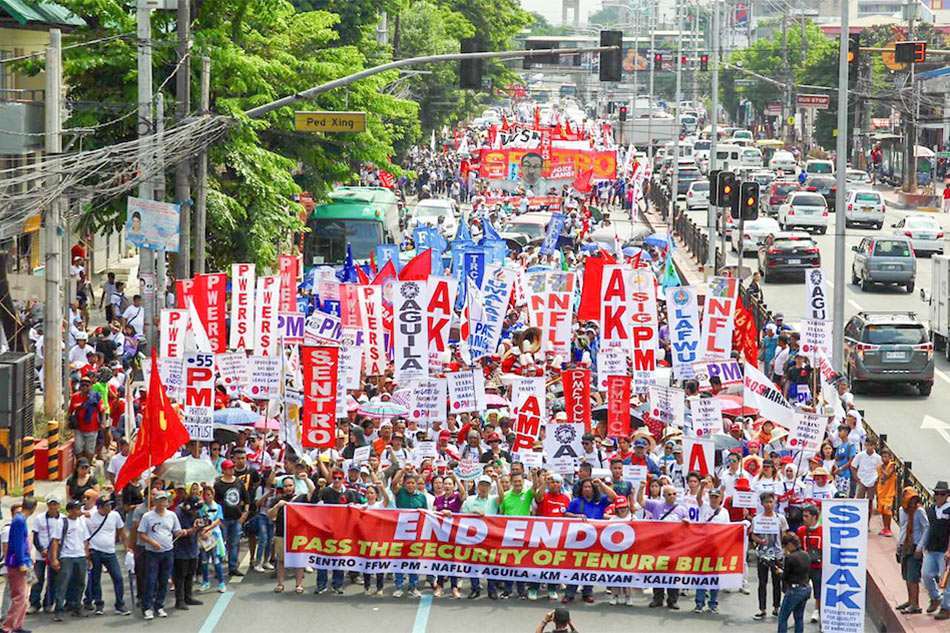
[683,60]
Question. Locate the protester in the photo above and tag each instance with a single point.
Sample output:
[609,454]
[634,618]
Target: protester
[16,561]
[68,556]
[910,547]
[937,551]
[106,528]
[767,529]
[794,573]
[157,530]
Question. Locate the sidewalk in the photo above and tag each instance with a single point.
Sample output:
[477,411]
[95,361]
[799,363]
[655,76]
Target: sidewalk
[690,269]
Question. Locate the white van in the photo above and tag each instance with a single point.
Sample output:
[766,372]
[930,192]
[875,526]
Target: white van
[728,157]
[751,157]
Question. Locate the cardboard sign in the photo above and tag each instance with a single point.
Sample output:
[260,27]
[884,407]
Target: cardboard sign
[290,325]
[563,439]
[699,455]
[564,465]
[531,459]
[719,318]
[461,386]
[173,325]
[371,310]
[426,449]
[844,564]
[807,432]
[816,295]
[643,329]
[172,371]
[668,405]
[817,339]
[635,475]
[610,362]
[210,297]
[683,311]
[766,525]
[242,306]
[744,499]
[322,328]
[287,265]
[618,406]
[728,372]
[529,402]
[361,454]
[199,396]
[615,309]
[707,416]
[427,400]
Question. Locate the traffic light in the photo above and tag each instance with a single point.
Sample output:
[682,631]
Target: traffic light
[683,60]
[910,52]
[611,62]
[470,70]
[726,191]
[704,62]
[658,61]
[623,113]
[714,187]
[749,200]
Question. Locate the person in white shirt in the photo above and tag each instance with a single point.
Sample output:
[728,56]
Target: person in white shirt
[105,528]
[710,512]
[77,353]
[46,526]
[864,470]
[780,359]
[134,315]
[118,460]
[68,556]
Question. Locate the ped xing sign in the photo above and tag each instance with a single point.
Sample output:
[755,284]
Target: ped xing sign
[330,121]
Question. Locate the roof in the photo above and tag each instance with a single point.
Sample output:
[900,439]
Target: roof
[40,11]
[889,317]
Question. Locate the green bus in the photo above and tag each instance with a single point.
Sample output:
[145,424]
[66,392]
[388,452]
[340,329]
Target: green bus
[361,217]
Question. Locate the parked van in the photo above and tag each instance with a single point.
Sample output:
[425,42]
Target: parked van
[728,156]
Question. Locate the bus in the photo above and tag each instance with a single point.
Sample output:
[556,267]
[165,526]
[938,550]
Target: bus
[360,217]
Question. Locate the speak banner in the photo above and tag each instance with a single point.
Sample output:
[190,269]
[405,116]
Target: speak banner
[533,549]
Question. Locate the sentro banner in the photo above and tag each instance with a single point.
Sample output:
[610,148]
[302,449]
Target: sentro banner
[320,369]
[535,549]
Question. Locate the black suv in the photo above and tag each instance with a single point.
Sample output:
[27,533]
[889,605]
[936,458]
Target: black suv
[888,347]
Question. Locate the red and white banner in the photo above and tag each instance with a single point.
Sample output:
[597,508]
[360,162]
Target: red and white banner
[410,331]
[287,264]
[173,324]
[184,289]
[577,396]
[211,300]
[442,291]
[618,406]
[199,396]
[371,309]
[266,335]
[643,328]
[242,306]
[699,455]
[760,392]
[719,317]
[319,396]
[350,306]
[533,549]
[529,414]
[550,307]
[615,309]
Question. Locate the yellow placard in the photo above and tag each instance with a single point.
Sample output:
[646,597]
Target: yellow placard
[330,121]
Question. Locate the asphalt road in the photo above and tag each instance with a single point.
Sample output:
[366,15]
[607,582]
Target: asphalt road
[917,428]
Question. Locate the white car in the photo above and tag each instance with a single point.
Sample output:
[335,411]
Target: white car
[698,195]
[783,161]
[864,206]
[819,167]
[804,209]
[925,233]
[754,233]
[857,177]
[438,212]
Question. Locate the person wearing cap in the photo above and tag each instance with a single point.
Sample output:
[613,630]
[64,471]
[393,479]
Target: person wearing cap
[768,344]
[494,454]
[768,548]
[641,457]
[482,504]
[105,528]
[85,409]
[710,511]
[820,486]
[68,556]
[592,453]
[384,439]
[230,492]
[186,553]
[158,529]
[46,527]
[910,546]
[937,550]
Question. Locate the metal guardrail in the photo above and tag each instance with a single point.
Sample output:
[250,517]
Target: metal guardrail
[904,475]
[697,242]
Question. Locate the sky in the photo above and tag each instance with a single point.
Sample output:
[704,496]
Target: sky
[551,9]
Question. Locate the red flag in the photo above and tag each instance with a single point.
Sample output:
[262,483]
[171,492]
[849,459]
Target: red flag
[386,179]
[504,124]
[744,334]
[567,127]
[361,277]
[582,182]
[388,271]
[589,309]
[419,267]
[559,131]
[492,135]
[160,435]
[577,396]
[372,262]
[618,406]
[537,117]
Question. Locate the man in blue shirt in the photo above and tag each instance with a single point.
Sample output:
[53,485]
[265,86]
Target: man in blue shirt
[18,563]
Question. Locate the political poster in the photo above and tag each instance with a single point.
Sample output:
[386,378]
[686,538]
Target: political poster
[319,398]
[615,309]
[428,400]
[242,306]
[172,325]
[234,371]
[152,224]
[263,377]
[682,309]
[558,310]
[371,309]
[199,396]
[555,226]
[322,328]
[497,547]
[486,320]
[764,395]
[287,265]
[699,455]
[577,402]
[184,291]
[707,416]
[172,371]
[439,317]
[844,564]
[410,332]
[618,406]
[350,361]
[350,315]
[719,318]
[728,372]
[461,386]
[387,253]
[610,362]
[210,299]
[528,398]
[563,439]
[807,432]
[668,405]
[644,324]
[816,295]
[816,339]
[267,304]
[290,327]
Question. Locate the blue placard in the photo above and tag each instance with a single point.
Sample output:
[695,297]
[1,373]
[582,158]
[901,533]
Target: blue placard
[386,253]
[497,251]
[332,306]
[554,232]
[437,268]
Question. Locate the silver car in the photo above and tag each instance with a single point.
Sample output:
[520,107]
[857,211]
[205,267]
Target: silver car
[754,234]
[888,260]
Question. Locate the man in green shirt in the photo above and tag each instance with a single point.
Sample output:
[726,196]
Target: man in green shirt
[408,496]
[517,502]
[482,504]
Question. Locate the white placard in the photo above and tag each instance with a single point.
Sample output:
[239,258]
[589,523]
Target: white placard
[234,371]
[844,564]
[564,465]
[199,396]
[531,459]
[410,331]
[267,304]
[707,416]
[242,306]
[744,499]
[361,454]
[668,405]
[461,386]
[264,377]
[762,524]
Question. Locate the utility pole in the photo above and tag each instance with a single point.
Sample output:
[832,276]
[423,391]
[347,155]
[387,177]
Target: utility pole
[679,111]
[53,316]
[636,47]
[695,74]
[143,21]
[712,213]
[201,199]
[787,106]
[183,166]
[842,166]
[910,132]
[158,291]
[653,6]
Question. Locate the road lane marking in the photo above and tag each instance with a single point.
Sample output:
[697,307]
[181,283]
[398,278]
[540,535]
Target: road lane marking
[941,375]
[854,304]
[422,614]
[215,616]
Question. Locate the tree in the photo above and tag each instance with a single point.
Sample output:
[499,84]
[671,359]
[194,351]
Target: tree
[496,24]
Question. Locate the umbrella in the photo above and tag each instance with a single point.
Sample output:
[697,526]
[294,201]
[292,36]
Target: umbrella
[494,400]
[590,247]
[660,240]
[225,433]
[402,397]
[724,442]
[187,470]
[270,425]
[732,405]
[351,403]
[630,251]
[600,413]
[382,410]
[237,415]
